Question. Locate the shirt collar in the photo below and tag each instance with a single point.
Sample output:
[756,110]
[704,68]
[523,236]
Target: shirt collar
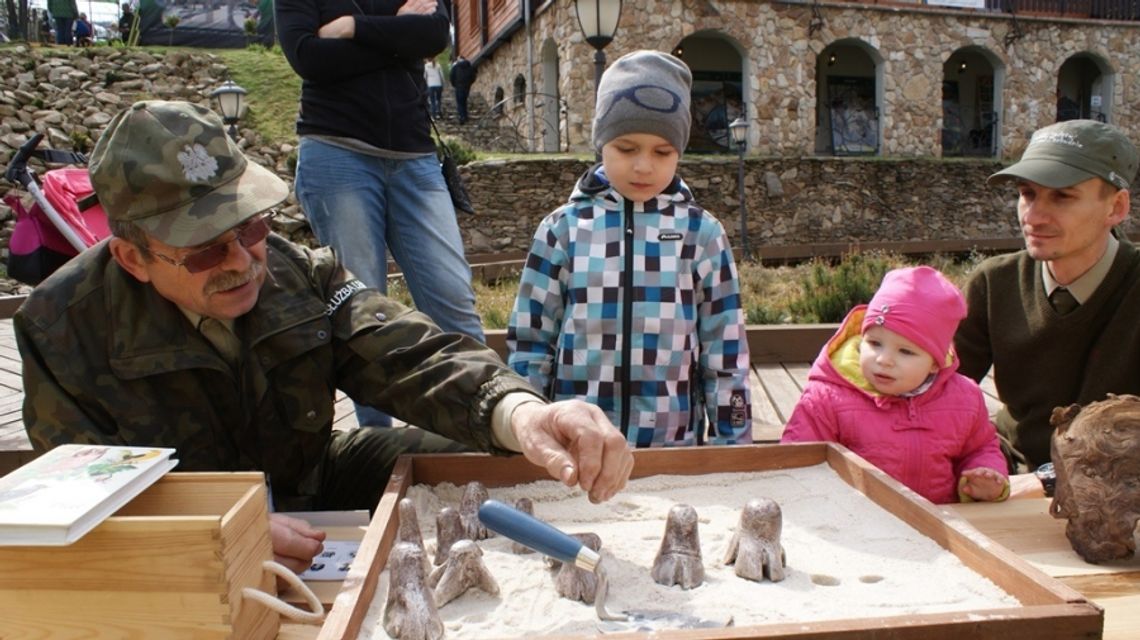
[1085,286]
[196,319]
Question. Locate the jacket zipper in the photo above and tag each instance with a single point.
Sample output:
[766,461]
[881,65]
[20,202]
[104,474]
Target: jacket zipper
[627,319]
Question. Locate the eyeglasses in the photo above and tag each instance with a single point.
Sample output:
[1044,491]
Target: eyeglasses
[647,96]
[248,234]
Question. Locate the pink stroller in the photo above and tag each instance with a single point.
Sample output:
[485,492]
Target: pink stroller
[65,218]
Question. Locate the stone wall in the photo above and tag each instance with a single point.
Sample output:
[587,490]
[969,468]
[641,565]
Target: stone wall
[789,200]
[780,58]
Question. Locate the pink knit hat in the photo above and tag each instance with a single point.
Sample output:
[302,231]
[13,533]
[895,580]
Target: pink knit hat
[921,305]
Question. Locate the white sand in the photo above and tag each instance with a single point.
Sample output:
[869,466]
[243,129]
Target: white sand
[846,558]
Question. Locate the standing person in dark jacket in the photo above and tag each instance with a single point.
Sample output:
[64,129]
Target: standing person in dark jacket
[195,328]
[462,76]
[64,13]
[126,23]
[368,177]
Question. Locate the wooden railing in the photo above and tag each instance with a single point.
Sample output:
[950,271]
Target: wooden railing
[1095,9]
[1077,9]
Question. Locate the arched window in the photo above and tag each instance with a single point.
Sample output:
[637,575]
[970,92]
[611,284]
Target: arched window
[519,94]
[497,110]
[970,80]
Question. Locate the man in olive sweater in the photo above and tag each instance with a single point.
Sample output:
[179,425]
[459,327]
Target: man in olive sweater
[1059,321]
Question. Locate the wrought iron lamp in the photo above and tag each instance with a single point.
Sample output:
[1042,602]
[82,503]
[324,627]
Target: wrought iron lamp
[230,99]
[598,20]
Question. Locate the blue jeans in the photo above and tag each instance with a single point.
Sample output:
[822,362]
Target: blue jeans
[435,96]
[63,30]
[461,94]
[362,206]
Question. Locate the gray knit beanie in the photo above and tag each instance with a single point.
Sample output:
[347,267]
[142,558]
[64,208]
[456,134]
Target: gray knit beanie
[644,92]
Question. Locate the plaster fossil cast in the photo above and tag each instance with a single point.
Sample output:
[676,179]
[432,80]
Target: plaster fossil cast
[474,495]
[409,530]
[449,530]
[755,549]
[1096,455]
[526,506]
[572,582]
[410,612]
[679,558]
[463,570]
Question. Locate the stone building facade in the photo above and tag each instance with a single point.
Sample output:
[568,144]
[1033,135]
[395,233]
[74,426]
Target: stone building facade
[834,78]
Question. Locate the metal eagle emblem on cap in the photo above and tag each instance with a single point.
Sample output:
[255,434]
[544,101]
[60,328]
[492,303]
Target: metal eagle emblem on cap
[197,165]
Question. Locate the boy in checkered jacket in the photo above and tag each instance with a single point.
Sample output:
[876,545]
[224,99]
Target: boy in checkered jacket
[629,298]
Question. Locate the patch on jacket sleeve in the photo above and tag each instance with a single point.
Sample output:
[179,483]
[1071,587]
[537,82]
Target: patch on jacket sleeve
[345,292]
[739,413]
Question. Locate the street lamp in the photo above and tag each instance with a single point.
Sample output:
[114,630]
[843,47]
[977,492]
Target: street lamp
[230,103]
[739,130]
[598,20]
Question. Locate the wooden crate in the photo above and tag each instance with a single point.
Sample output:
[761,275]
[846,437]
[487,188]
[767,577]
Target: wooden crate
[1048,607]
[169,564]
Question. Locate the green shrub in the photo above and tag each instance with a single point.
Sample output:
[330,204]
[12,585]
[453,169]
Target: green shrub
[830,292]
[495,319]
[764,314]
[461,152]
[80,141]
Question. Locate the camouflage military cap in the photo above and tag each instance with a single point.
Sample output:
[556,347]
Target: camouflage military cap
[171,168]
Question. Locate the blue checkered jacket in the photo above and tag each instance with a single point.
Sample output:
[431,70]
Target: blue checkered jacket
[636,308]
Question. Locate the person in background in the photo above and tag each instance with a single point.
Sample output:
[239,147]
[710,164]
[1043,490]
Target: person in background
[886,386]
[64,13]
[1057,321]
[126,23]
[629,298]
[84,33]
[196,328]
[45,27]
[433,76]
[368,177]
[462,76]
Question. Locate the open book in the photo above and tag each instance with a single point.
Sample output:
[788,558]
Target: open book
[60,496]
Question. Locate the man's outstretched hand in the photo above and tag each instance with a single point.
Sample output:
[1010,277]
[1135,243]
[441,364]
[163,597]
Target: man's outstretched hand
[576,443]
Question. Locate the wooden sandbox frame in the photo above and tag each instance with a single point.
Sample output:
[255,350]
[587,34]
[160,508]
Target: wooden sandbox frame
[1048,607]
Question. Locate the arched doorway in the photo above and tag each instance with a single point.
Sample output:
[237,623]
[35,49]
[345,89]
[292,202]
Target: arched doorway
[548,103]
[1084,88]
[971,94]
[850,92]
[717,64]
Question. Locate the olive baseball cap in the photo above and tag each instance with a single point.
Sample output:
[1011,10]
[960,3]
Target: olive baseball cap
[170,168]
[1066,153]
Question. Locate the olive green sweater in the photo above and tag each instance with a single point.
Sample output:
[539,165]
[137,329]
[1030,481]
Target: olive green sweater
[1044,360]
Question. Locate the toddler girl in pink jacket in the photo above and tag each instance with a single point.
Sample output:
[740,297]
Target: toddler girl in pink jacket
[886,386]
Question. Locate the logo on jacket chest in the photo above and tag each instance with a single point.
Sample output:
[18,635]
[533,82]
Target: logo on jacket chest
[670,235]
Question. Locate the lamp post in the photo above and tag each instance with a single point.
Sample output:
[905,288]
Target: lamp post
[231,104]
[739,130]
[598,20]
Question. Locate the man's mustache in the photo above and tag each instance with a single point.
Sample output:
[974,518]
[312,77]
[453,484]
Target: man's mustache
[232,279]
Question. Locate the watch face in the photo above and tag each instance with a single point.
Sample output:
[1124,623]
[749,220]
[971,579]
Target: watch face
[1048,477]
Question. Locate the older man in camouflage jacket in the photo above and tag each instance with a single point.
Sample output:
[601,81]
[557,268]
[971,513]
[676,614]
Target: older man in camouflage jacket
[193,327]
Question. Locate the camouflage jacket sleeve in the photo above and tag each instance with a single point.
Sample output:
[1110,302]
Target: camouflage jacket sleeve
[400,362]
[52,415]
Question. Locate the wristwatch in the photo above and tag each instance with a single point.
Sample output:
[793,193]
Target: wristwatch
[1048,478]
